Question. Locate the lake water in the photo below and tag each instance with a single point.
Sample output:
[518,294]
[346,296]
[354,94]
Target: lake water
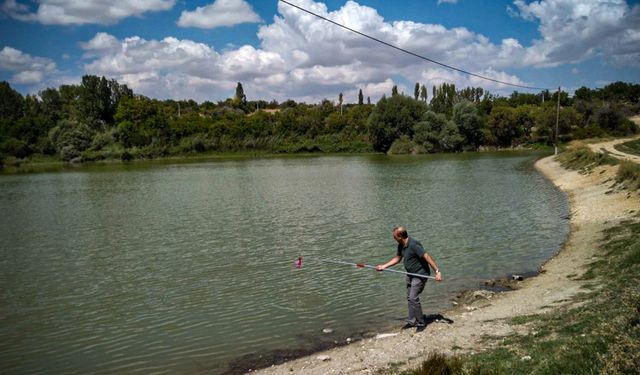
[169,267]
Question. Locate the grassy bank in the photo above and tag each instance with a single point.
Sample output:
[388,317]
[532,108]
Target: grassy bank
[582,158]
[632,147]
[599,331]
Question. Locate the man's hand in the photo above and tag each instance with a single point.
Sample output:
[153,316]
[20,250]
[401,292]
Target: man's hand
[380,267]
[438,276]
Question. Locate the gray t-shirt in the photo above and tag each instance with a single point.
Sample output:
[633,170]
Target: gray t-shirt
[413,257]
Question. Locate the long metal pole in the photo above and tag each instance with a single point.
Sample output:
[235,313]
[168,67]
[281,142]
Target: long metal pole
[360,265]
[557,121]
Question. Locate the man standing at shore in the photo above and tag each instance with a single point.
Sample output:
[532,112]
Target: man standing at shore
[416,260]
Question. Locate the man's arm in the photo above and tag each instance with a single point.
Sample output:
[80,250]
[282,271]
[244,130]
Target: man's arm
[395,260]
[433,265]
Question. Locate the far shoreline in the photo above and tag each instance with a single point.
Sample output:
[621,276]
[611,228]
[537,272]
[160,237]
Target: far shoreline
[42,164]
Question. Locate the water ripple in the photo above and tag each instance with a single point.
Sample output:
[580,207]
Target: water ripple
[180,268]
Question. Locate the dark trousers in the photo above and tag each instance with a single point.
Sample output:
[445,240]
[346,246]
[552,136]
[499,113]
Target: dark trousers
[415,286]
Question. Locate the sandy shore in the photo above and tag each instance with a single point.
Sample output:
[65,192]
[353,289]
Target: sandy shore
[595,206]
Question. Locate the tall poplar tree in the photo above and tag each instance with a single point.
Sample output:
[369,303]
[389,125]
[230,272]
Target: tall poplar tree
[240,97]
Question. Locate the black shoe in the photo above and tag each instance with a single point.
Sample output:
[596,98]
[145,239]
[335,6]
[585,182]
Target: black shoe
[407,326]
[420,328]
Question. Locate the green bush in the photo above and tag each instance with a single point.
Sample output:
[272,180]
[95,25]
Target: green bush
[103,139]
[582,157]
[629,175]
[126,156]
[404,145]
[15,147]
[71,138]
[589,131]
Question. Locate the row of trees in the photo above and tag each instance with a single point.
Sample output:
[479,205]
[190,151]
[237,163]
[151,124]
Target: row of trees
[101,118]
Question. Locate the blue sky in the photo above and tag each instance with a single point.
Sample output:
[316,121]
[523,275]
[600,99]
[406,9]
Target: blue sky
[201,49]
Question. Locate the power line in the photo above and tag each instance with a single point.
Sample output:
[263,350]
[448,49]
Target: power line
[413,53]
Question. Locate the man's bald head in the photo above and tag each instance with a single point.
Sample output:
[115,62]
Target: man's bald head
[400,232]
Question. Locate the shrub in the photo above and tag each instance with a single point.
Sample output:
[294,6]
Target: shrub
[103,139]
[126,156]
[589,131]
[439,364]
[404,145]
[582,157]
[15,147]
[70,138]
[629,175]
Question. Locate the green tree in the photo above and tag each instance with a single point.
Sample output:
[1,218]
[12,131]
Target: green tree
[141,122]
[360,97]
[416,91]
[394,90]
[51,104]
[436,133]
[613,121]
[71,138]
[356,119]
[465,116]
[392,118]
[472,94]
[11,102]
[501,123]
[240,98]
[525,117]
[98,100]
[584,93]
[94,99]
[444,97]
[423,93]
[427,131]
[334,123]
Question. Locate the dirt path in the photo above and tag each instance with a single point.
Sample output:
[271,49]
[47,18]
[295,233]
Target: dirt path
[609,146]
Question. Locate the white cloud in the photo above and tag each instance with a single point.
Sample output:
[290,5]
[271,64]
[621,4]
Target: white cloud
[447,2]
[247,62]
[220,13]
[28,77]
[26,69]
[305,58]
[300,57]
[74,12]
[138,61]
[576,30]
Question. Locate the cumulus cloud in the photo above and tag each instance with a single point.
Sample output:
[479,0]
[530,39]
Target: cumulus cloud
[305,58]
[138,61]
[26,69]
[300,57]
[73,12]
[447,2]
[575,30]
[220,13]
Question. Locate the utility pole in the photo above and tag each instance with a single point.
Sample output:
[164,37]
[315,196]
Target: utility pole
[557,121]
[178,109]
